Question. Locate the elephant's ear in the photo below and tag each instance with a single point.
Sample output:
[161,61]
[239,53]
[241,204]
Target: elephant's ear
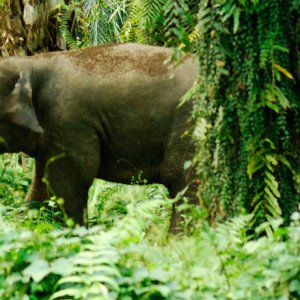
[18,108]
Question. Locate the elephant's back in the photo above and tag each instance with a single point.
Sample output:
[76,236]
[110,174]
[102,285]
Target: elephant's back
[115,60]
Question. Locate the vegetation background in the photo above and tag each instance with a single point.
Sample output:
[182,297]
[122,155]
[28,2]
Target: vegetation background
[243,240]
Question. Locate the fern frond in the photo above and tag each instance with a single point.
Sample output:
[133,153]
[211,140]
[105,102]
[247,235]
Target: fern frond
[145,22]
[94,271]
[235,229]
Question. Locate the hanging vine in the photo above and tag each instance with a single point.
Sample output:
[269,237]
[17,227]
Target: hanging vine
[248,103]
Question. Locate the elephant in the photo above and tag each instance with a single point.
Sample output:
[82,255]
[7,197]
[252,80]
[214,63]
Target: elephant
[106,112]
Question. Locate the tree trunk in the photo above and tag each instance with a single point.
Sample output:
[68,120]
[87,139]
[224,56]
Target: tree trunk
[28,27]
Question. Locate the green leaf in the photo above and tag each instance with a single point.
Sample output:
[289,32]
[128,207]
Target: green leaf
[65,292]
[272,106]
[273,202]
[159,275]
[274,213]
[273,185]
[267,140]
[257,197]
[295,286]
[284,160]
[270,176]
[284,71]
[257,206]
[252,247]
[254,163]
[61,266]
[228,10]
[295,216]
[72,279]
[283,101]
[164,290]
[236,20]
[283,49]
[265,227]
[271,159]
[274,192]
[105,280]
[187,164]
[38,270]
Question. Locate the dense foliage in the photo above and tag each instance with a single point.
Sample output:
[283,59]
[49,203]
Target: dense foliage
[246,107]
[129,257]
[249,107]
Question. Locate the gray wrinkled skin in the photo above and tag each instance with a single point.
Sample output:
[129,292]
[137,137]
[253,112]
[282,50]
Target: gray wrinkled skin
[111,110]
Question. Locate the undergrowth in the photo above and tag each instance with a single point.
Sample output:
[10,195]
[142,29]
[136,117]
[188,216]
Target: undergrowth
[130,256]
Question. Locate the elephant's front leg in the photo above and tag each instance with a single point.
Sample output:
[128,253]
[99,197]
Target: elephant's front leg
[71,175]
[69,185]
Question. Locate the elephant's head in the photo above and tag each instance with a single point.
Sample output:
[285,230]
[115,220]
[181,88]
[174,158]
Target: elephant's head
[17,107]
[17,113]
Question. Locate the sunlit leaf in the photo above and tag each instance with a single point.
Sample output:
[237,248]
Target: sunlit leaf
[284,71]
[61,266]
[284,102]
[38,269]
[236,20]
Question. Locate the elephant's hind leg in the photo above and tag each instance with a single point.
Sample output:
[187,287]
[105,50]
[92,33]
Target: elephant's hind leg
[38,191]
[178,150]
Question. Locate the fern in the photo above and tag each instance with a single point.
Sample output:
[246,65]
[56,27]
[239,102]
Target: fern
[94,272]
[145,22]
[105,20]
[72,23]
[235,229]
[122,263]
[179,23]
